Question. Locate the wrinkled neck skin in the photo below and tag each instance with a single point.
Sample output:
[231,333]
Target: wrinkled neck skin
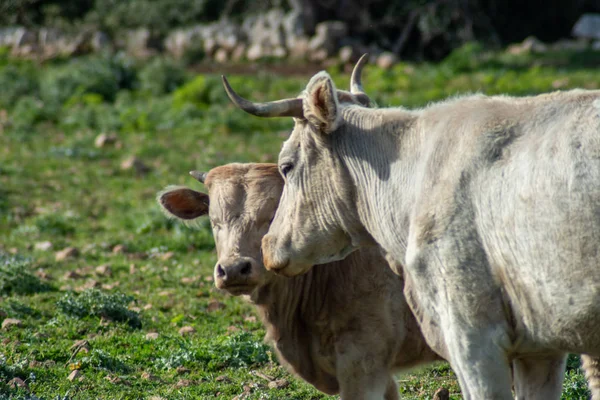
[291,309]
[377,149]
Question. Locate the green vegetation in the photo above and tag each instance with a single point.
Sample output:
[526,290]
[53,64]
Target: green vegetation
[113,307]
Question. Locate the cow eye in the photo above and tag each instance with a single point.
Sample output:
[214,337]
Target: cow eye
[286,168]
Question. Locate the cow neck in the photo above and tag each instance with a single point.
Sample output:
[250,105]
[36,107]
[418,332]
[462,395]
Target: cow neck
[290,303]
[293,310]
[380,148]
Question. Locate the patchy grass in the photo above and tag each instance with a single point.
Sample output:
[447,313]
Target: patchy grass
[113,308]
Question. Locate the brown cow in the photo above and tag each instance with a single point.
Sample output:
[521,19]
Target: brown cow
[344,327]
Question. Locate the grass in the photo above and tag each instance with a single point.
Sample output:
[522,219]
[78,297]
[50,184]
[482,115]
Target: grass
[114,308]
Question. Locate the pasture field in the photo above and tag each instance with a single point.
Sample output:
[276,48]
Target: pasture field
[129,311]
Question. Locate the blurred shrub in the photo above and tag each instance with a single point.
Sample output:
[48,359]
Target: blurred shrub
[16,277]
[16,80]
[95,303]
[27,112]
[161,76]
[104,76]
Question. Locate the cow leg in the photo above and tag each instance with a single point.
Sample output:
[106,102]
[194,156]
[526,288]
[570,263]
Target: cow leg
[591,366]
[462,315]
[539,377]
[391,392]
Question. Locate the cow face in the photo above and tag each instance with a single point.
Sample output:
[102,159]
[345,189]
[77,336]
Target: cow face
[314,223]
[243,200]
[309,227]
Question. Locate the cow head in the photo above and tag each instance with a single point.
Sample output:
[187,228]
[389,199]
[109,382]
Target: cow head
[315,222]
[243,200]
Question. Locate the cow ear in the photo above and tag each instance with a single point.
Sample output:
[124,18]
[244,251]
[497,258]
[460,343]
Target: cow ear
[321,104]
[183,203]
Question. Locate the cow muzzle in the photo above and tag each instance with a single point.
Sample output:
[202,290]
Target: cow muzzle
[237,276]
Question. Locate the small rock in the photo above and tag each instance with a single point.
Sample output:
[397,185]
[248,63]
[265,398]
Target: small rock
[80,345]
[346,54]
[43,246]
[43,275]
[91,284]
[104,139]
[183,370]
[238,53]
[588,26]
[148,306]
[18,383]
[111,286]
[441,394]
[10,322]
[119,249]
[250,318]
[149,377]
[278,384]
[222,378]
[72,275]
[187,280]
[136,164]
[232,328]
[168,255]
[74,375]
[183,383]
[152,335]
[221,56]
[156,398]
[187,330]
[386,60]
[104,270]
[214,305]
[68,252]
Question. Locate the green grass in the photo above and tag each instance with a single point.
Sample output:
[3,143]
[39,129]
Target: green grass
[57,186]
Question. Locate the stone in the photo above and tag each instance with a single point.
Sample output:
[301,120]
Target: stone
[104,270]
[134,163]
[221,56]
[18,383]
[214,305]
[105,139]
[346,54]
[119,249]
[66,253]
[255,52]
[152,335]
[386,60]
[140,43]
[327,34]
[278,384]
[43,246]
[187,330]
[587,26]
[11,322]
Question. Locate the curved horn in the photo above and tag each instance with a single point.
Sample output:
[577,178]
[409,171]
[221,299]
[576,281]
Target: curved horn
[356,84]
[279,108]
[199,176]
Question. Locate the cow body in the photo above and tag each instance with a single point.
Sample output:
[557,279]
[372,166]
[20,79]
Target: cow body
[491,204]
[343,327]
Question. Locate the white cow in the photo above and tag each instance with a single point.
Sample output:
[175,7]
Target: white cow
[492,204]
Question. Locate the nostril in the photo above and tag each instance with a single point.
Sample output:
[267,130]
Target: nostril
[246,268]
[220,271]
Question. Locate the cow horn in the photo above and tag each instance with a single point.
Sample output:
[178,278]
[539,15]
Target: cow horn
[355,82]
[279,108]
[199,176]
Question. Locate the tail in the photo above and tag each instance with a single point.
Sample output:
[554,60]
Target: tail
[591,366]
